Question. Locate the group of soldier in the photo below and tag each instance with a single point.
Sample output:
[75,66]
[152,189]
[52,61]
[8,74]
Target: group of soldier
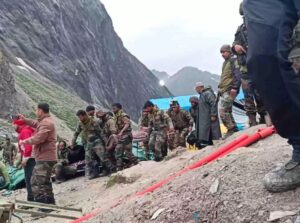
[107,140]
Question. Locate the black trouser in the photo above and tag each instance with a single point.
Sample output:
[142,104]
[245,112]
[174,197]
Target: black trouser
[28,173]
[270,25]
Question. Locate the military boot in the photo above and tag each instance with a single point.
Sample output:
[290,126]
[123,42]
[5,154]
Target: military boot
[94,171]
[283,178]
[252,120]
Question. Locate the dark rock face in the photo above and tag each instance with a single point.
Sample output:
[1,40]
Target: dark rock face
[73,43]
[10,100]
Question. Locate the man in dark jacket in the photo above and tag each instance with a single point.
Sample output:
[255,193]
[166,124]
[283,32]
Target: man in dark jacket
[208,125]
[270,25]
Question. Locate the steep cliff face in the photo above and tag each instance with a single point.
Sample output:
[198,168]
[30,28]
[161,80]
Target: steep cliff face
[73,43]
[11,101]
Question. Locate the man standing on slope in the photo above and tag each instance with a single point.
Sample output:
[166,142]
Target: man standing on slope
[270,25]
[28,162]
[159,125]
[124,134]
[207,125]
[253,101]
[228,89]
[182,122]
[44,142]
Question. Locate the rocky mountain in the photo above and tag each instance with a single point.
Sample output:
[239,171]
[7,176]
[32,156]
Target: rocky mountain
[72,44]
[183,82]
[161,75]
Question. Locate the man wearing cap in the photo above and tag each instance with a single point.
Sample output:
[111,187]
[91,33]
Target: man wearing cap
[194,108]
[228,89]
[207,125]
[182,122]
[9,151]
[253,101]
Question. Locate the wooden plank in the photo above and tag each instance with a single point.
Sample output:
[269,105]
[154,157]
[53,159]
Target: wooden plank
[36,213]
[42,205]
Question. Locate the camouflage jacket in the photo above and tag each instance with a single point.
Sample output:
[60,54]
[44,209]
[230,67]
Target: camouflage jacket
[9,153]
[144,120]
[90,131]
[121,119]
[230,77]
[181,119]
[160,121]
[109,126]
[241,38]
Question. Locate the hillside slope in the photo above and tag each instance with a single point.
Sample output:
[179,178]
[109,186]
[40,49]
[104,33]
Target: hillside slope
[240,196]
[73,44]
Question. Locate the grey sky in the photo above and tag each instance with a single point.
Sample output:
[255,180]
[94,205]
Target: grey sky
[170,34]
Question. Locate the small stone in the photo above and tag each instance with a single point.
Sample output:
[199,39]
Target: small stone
[261,213]
[240,206]
[157,213]
[275,215]
[214,187]
[205,175]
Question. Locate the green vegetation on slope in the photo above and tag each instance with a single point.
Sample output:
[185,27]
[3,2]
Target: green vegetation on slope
[63,104]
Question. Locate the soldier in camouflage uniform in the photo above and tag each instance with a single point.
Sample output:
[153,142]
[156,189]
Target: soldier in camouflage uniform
[182,122]
[194,108]
[124,134]
[144,126]
[159,124]
[109,132]
[228,89]
[9,152]
[94,147]
[253,102]
[62,169]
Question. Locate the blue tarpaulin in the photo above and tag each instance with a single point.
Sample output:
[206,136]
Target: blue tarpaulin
[239,114]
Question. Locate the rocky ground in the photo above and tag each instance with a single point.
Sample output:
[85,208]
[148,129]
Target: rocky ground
[228,190]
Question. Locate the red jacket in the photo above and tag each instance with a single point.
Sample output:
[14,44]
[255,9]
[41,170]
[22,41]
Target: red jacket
[25,132]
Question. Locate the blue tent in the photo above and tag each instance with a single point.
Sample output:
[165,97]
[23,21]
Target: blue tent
[239,114]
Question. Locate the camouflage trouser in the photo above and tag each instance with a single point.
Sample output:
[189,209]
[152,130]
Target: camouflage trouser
[41,182]
[157,143]
[253,102]
[225,110]
[94,150]
[62,171]
[171,141]
[124,150]
[180,137]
